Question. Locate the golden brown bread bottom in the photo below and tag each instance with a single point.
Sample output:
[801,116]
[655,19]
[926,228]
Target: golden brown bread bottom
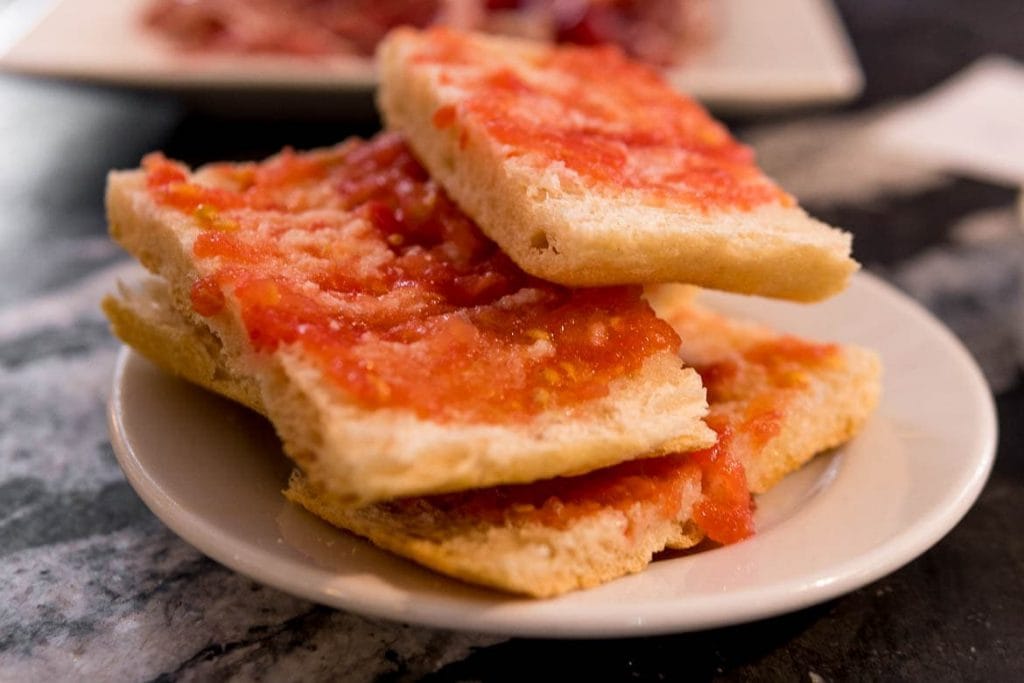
[520,553]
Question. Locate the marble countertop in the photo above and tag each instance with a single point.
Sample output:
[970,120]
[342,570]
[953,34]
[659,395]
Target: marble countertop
[96,588]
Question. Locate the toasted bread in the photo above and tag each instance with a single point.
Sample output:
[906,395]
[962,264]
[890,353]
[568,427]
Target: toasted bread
[144,318]
[590,170]
[210,227]
[514,552]
[550,537]
[825,392]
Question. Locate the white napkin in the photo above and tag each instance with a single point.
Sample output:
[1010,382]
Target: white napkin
[973,124]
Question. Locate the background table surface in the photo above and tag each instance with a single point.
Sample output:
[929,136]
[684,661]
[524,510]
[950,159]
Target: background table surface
[95,587]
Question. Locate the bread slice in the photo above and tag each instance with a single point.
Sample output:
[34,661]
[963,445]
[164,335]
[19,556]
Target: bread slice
[590,170]
[510,549]
[143,317]
[785,398]
[549,537]
[262,242]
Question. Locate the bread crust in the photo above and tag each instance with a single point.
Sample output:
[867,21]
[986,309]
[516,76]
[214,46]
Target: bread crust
[144,319]
[362,455]
[518,557]
[557,226]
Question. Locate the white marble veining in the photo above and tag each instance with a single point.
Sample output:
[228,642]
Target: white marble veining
[138,603]
[95,588]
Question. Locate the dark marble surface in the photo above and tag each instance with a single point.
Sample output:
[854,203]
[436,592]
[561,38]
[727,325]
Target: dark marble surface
[95,588]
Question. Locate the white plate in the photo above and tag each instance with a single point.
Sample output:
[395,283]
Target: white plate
[764,55]
[213,472]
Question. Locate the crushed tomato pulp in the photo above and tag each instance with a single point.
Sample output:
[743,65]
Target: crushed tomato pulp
[558,502]
[610,121]
[748,392]
[724,510]
[357,256]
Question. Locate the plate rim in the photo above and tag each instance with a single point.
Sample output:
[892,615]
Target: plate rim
[834,76]
[608,620]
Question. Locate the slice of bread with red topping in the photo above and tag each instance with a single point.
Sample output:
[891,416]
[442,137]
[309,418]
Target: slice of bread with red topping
[397,350]
[783,398]
[588,169]
[786,400]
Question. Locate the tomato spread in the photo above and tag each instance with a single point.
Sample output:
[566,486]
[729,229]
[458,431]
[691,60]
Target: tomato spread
[358,257]
[609,121]
[752,390]
[556,503]
[748,395]
[724,510]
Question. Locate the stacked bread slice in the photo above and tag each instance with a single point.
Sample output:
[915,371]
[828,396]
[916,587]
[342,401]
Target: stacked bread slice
[311,299]
[514,413]
[551,536]
[588,169]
